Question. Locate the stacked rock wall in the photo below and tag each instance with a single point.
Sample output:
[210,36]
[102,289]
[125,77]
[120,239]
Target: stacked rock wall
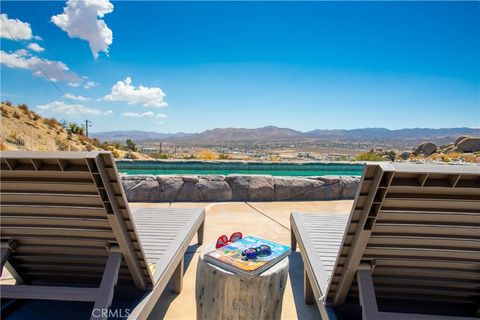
[216,188]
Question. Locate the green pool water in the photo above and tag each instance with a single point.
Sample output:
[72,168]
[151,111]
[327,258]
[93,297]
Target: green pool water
[223,168]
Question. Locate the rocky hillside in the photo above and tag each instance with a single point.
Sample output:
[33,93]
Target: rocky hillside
[23,129]
[463,149]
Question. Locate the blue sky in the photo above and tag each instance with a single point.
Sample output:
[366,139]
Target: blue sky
[202,65]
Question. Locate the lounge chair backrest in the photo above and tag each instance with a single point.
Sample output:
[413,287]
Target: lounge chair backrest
[418,226]
[61,212]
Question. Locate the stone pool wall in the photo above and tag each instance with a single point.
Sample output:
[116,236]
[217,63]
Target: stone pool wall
[215,188]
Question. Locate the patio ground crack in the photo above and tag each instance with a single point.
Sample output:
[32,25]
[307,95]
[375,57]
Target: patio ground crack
[267,216]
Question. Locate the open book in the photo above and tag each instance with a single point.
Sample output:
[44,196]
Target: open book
[230,256]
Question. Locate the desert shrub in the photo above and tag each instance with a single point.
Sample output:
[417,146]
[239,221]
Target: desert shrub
[83,139]
[223,157]
[15,139]
[51,122]
[207,155]
[438,157]
[192,156]
[8,103]
[115,152]
[62,145]
[34,115]
[471,158]
[453,155]
[130,155]
[16,115]
[274,159]
[89,147]
[96,142]
[4,112]
[368,156]
[130,145]
[157,155]
[102,145]
[24,108]
[75,128]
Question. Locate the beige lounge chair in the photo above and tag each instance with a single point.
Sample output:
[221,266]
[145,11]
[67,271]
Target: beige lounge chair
[410,248]
[67,232]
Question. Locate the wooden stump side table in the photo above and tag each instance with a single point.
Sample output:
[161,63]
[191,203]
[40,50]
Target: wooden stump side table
[221,294]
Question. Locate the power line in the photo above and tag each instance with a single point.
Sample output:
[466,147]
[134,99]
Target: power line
[72,103]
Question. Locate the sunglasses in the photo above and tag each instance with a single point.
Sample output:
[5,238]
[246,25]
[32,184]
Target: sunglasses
[252,253]
[223,240]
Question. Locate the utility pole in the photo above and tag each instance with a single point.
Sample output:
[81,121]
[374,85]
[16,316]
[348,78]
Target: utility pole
[86,127]
[160,149]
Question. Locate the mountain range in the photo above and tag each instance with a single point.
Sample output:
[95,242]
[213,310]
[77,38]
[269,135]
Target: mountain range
[272,133]
[136,135]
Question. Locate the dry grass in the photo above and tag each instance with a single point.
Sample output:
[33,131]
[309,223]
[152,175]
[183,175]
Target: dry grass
[368,156]
[51,122]
[24,108]
[471,158]
[207,155]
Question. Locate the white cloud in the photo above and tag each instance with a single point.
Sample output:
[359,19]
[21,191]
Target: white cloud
[90,84]
[148,96]
[73,84]
[71,109]
[138,115]
[73,97]
[82,19]
[14,29]
[35,47]
[53,70]
[147,114]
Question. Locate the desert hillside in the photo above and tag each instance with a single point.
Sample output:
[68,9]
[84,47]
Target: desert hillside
[24,129]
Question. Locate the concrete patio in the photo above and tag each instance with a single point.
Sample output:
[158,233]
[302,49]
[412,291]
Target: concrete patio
[269,220]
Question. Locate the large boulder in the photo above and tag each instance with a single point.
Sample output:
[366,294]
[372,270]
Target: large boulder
[168,188]
[405,155]
[460,139]
[349,187]
[190,191]
[239,184]
[251,188]
[261,188]
[141,191]
[469,144]
[129,182]
[426,149]
[215,188]
[237,188]
[289,188]
[391,155]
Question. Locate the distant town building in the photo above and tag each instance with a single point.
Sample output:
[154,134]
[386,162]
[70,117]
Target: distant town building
[148,149]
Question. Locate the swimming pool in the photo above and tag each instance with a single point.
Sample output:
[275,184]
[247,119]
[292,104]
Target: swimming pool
[159,167]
